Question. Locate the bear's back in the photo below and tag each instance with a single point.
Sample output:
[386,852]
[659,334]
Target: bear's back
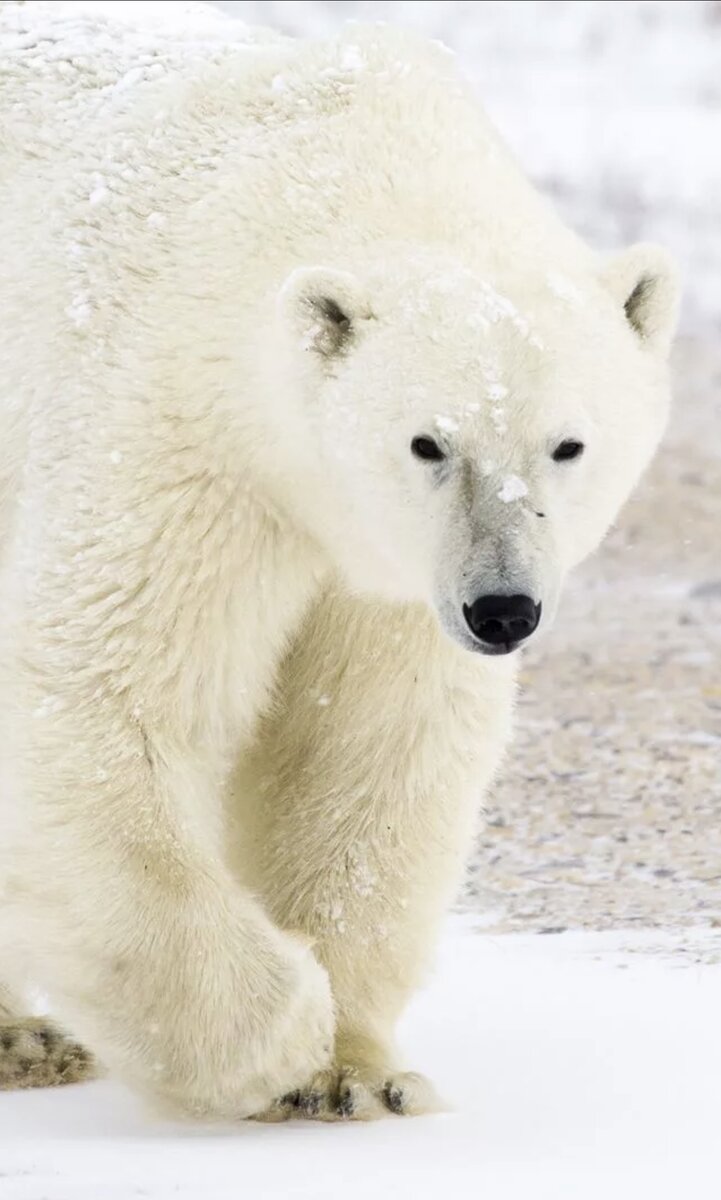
[63,67]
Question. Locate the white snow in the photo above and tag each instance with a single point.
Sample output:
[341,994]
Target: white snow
[574,1070]
[564,288]
[352,59]
[498,419]
[80,309]
[99,193]
[512,489]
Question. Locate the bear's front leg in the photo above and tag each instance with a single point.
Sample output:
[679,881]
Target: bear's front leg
[367,779]
[128,682]
[151,954]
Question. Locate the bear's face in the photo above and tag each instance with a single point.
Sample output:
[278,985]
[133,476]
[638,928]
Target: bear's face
[463,442]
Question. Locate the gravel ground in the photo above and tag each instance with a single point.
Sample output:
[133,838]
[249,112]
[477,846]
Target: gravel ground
[608,813]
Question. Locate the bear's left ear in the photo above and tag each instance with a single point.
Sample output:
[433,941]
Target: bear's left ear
[644,281]
[325,308]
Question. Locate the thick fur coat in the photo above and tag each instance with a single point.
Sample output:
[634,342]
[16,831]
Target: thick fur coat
[245,716]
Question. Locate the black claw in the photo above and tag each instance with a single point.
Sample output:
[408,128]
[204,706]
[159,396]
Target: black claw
[47,1038]
[292,1100]
[346,1103]
[394,1098]
[311,1103]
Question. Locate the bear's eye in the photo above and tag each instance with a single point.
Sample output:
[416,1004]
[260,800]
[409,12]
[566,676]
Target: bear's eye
[427,449]
[566,450]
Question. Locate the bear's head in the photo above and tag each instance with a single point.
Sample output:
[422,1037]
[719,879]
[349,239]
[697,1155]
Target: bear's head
[462,439]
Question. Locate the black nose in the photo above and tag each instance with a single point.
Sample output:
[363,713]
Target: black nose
[502,621]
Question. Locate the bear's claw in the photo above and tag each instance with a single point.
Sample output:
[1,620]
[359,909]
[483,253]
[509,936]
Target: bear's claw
[350,1094]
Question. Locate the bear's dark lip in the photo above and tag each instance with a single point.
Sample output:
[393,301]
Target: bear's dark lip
[485,648]
[490,651]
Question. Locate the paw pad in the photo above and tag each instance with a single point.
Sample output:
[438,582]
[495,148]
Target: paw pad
[346,1103]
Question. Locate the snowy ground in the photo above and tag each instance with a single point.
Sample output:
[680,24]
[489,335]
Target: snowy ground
[577,1070]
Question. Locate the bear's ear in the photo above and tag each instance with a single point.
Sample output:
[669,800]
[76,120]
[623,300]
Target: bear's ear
[324,307]
[644,281]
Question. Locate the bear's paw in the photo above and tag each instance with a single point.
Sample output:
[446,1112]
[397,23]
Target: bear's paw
[347,1093]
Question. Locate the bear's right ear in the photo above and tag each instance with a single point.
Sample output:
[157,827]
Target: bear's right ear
[325,308]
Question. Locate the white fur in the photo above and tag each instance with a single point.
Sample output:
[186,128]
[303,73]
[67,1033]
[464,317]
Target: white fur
[239,276]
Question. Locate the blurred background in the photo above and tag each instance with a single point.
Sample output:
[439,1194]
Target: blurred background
[608,812]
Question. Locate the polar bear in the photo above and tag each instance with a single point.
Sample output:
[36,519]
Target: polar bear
[309,404]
